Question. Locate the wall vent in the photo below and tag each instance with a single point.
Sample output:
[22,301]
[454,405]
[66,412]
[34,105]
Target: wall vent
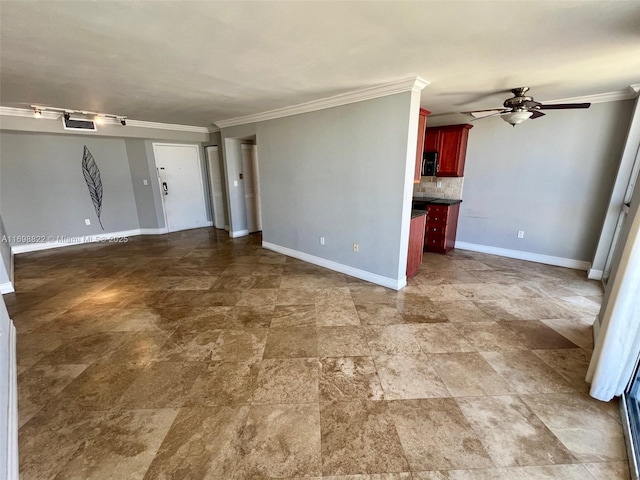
[79,124]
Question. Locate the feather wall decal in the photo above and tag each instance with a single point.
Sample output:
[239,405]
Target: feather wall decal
[91,174]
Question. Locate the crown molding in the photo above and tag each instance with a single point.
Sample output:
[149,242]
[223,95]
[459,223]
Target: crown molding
[628,93]
[213,129]
[412,84]
[28,113]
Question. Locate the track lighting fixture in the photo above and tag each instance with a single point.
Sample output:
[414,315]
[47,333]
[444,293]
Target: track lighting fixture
[97,117]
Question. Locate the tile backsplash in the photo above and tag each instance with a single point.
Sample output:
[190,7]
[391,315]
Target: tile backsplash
[428,187]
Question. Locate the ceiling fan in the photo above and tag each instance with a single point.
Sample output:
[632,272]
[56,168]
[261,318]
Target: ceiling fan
[522,107]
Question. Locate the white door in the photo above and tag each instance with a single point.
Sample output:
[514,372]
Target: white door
[181,187]
[251,187]
[215,186]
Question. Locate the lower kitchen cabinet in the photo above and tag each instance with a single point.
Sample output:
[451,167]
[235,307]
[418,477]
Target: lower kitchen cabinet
[441,227]
[416,240]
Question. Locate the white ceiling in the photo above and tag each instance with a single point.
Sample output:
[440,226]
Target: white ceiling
[195,63]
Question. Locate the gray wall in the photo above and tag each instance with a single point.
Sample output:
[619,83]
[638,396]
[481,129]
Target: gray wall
[551,177]
[148,203]
[338,173]
[6,269]
[44,191]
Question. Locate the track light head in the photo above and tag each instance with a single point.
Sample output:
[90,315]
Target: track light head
[37,113]
[66,115]
[123,122]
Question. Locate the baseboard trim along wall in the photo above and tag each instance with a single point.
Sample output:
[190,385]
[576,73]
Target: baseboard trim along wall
[63,241]
[238,233]
[393,283]
[593,274]
[531,257]
[6,287]
[12,420]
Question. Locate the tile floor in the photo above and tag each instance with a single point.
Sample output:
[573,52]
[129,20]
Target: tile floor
[193,356]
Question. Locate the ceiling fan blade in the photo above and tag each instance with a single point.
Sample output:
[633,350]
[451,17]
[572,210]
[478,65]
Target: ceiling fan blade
[487,110]
[487,116]
[536,114]
[563,106]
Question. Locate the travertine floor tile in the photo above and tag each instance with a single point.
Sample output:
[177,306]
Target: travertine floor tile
[228,383]
[468,374]
[200,444]
[548,472]
[291,342]
[294,316]
[342,342]
[124,447]
[38,384]
[441,338]
[409,376]
[287,380]
[349,378]
[359,437]
[435,435]
[609,470]
[463,311]
[571,363]
[195,356]
[581,424]
[379,314]
[240,345]
[391,340]
[578,330]
[536,335]
[279,441]
[161,385]
[526,373]
[511,432]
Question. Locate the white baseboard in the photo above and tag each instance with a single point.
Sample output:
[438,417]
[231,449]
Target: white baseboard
[66,241]
[596,329]
[154,231]
[393,283]
[593,274]
[6,287]
[520,255]
[12,418]
[238,233]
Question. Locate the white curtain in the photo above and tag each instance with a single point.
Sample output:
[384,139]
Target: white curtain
[617,347]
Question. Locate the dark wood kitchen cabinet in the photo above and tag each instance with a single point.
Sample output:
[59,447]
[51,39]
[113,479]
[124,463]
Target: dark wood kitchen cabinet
[451,144]
[416,241]
[441,227]
[422,126]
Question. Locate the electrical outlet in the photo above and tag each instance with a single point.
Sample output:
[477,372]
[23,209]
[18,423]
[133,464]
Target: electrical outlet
[145,182]
[520,233]
[235,183]
[438,184]
[87,221]
[321,240]
[355,247]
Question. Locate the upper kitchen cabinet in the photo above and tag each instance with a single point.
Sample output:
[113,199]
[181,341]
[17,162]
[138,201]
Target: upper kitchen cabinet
[422,125]
[451,144]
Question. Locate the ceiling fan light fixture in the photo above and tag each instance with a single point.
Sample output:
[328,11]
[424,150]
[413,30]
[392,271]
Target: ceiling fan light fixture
[517,117]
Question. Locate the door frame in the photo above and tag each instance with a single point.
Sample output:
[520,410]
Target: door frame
[200,178]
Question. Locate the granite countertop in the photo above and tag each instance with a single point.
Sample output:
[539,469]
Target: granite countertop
[437,201]
[418,213]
